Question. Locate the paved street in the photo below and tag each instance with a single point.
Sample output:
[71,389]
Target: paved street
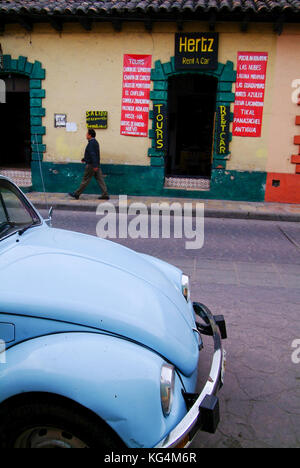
[249,271]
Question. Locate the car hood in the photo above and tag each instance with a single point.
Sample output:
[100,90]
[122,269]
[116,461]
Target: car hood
[71,277]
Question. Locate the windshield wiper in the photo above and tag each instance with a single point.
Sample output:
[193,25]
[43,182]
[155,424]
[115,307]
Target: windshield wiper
[21,231]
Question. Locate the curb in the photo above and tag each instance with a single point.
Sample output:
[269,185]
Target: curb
[208,213]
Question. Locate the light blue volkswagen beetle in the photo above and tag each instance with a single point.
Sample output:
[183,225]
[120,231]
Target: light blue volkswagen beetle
[99,345]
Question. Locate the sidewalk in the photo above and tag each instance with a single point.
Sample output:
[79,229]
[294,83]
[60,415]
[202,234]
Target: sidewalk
[212,208]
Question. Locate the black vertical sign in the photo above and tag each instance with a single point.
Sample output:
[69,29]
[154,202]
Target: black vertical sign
[222,130]
[160,126]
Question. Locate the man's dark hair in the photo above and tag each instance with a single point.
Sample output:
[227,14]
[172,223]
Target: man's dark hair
[92,132]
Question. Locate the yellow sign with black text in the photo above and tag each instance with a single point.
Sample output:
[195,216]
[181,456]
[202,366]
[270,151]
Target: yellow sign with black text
[96,119]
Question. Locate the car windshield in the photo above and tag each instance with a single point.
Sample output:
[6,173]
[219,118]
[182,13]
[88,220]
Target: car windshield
[15,213]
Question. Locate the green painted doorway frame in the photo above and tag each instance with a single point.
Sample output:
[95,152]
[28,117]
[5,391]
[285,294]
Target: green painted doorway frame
[36,74]
[225,75]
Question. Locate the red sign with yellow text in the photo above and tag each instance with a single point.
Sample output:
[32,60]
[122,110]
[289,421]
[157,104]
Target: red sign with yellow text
[135,95]
[249,93]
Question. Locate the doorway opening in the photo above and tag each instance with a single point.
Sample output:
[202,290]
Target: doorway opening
[191,109]
[15,134]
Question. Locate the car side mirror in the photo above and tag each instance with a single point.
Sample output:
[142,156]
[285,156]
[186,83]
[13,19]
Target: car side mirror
[49,219]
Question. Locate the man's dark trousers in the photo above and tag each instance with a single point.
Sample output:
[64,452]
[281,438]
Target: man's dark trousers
[89,173]
[92,161]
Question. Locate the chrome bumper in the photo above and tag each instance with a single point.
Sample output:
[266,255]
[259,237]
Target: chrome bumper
[204,412]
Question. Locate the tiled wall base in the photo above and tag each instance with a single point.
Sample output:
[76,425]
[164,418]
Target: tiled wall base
[187,183]
[149,181]
[21,177]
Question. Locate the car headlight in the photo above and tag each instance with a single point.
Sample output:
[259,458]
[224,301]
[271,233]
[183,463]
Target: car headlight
[167,381]
[185,287]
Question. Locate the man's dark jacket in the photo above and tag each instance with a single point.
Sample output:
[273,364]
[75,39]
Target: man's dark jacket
[92,153]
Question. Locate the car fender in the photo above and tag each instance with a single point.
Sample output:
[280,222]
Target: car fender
[117,379]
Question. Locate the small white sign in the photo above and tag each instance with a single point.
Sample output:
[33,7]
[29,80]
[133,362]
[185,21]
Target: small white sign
[71,127]
[60,120]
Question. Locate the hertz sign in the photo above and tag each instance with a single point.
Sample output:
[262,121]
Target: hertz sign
[198,51]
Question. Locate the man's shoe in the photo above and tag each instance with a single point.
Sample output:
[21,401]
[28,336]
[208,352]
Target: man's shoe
[73,195]
[104,197]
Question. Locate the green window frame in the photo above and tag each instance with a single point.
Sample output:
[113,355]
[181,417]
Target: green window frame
[225,75]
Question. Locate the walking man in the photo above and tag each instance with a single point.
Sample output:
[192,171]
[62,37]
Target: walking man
[92,167]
